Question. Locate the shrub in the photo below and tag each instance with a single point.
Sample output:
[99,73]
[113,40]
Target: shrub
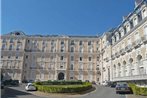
[63,88]
[138,90]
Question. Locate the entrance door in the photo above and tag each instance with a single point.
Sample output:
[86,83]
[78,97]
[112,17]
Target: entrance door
[61,76]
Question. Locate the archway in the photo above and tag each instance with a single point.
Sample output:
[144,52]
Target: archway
[61,76]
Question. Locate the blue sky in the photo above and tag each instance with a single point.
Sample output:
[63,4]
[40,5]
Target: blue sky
[63,17]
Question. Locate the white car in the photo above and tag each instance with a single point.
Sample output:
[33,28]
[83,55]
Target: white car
[30,87]
[104,83]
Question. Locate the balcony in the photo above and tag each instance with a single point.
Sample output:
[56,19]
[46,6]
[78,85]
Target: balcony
[137,43]
[133,77]
[128,48]
[117,54]
[144,39]
[122,51]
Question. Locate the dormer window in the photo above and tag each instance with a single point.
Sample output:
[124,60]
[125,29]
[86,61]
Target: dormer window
[128,27]
[144,13]
[11,40]
[135,21]
[4,40]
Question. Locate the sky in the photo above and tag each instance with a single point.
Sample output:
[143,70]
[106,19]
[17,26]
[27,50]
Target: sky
[63,17]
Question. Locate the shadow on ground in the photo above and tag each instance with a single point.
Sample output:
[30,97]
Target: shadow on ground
[9,92]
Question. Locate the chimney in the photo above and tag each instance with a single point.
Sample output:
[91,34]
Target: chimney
[137,2]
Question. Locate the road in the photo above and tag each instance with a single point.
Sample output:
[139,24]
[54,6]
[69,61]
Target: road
[100,92]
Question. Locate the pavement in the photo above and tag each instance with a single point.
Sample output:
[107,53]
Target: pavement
[99,92]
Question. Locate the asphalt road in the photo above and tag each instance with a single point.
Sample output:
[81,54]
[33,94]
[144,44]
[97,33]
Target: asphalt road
[100,92]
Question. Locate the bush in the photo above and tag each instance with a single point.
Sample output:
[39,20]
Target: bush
[138,90]
[63,88]
[59,82]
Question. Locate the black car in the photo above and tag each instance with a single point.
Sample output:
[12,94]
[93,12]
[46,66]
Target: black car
[15,82]
[122,87]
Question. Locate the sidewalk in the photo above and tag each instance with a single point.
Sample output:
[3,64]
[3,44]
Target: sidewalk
[135,96]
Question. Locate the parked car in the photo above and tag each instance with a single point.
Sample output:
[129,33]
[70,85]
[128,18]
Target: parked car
[15,82]
[30,87]
[104,83]
[122,87]
[2,85]
[112,84]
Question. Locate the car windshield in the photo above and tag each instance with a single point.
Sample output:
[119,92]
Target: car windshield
[122,85]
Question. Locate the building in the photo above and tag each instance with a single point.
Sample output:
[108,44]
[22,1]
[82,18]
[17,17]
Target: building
[128,60]
[52,57]
[120,54]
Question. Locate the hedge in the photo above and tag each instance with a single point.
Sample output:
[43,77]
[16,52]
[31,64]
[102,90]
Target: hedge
[59,82]
[138,90]
[64,88]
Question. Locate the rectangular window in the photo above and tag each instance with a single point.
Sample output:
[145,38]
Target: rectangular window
[80,58]
[89,42]
[61,58]
[80,43]
[72,58]
[89,58]
[26,56]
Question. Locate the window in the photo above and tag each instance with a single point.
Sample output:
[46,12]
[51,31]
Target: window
[72,49]
[18,47]
[135,21]
[89,43]
[9,57]
[16,57]
[80,58]
[52,42]
[71,77]
[144,13]
[28,41]
[3,46]
[89,58]
[62,42]
[11,47]
[80,43]
[26,56]
[72,58]
[81,50]
[72,42]
[4,40]
[71,67]
[62,49]
[11,40]
[97,58]
[127,27]
[1,56]
[61,58]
